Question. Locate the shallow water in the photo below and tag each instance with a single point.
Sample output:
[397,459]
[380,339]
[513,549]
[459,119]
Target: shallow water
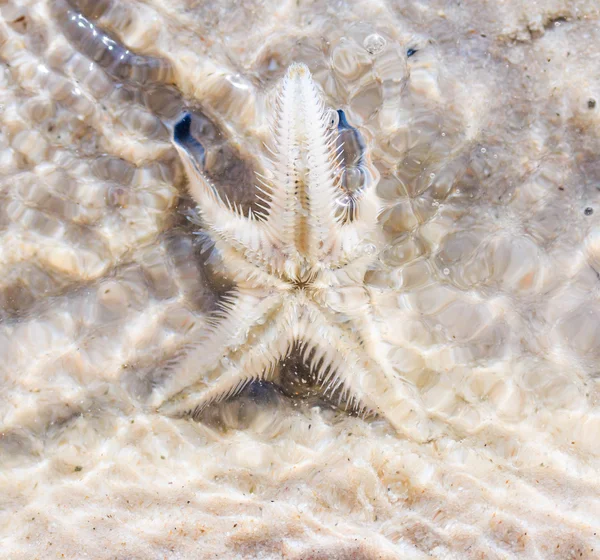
[482,120]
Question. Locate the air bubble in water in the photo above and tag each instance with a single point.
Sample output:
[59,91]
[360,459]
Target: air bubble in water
[369,249]
[225,362]
[333,118]
[353,178]
[374,43]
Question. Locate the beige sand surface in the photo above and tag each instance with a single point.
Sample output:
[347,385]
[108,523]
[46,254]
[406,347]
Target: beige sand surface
[487,139]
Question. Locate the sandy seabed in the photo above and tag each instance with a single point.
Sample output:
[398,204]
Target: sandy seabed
[483,120]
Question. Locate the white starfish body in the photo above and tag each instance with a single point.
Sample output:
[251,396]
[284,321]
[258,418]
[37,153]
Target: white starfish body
[299,268]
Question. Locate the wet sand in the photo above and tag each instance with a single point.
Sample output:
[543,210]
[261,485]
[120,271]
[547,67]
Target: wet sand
[483,121]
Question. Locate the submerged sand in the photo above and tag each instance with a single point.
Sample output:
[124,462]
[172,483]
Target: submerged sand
[483,119]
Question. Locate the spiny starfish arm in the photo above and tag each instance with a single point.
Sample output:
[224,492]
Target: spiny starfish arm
[302,192]
[353,303]
[362,323]
[248,274]
[267,347]
[323,190]
[278,184]
[342,361]
[225,220]
[229,328]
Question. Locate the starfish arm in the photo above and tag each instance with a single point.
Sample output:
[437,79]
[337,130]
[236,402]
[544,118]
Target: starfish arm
[269,345]
[229,328]
[250,275]
[302,191]
[349,357]
[278,184]
[226,221]
[354,302]
[323,191]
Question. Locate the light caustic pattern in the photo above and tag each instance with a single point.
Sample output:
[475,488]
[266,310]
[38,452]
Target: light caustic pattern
[483,127]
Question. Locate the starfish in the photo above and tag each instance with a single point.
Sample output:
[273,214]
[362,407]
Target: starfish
[298,265]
